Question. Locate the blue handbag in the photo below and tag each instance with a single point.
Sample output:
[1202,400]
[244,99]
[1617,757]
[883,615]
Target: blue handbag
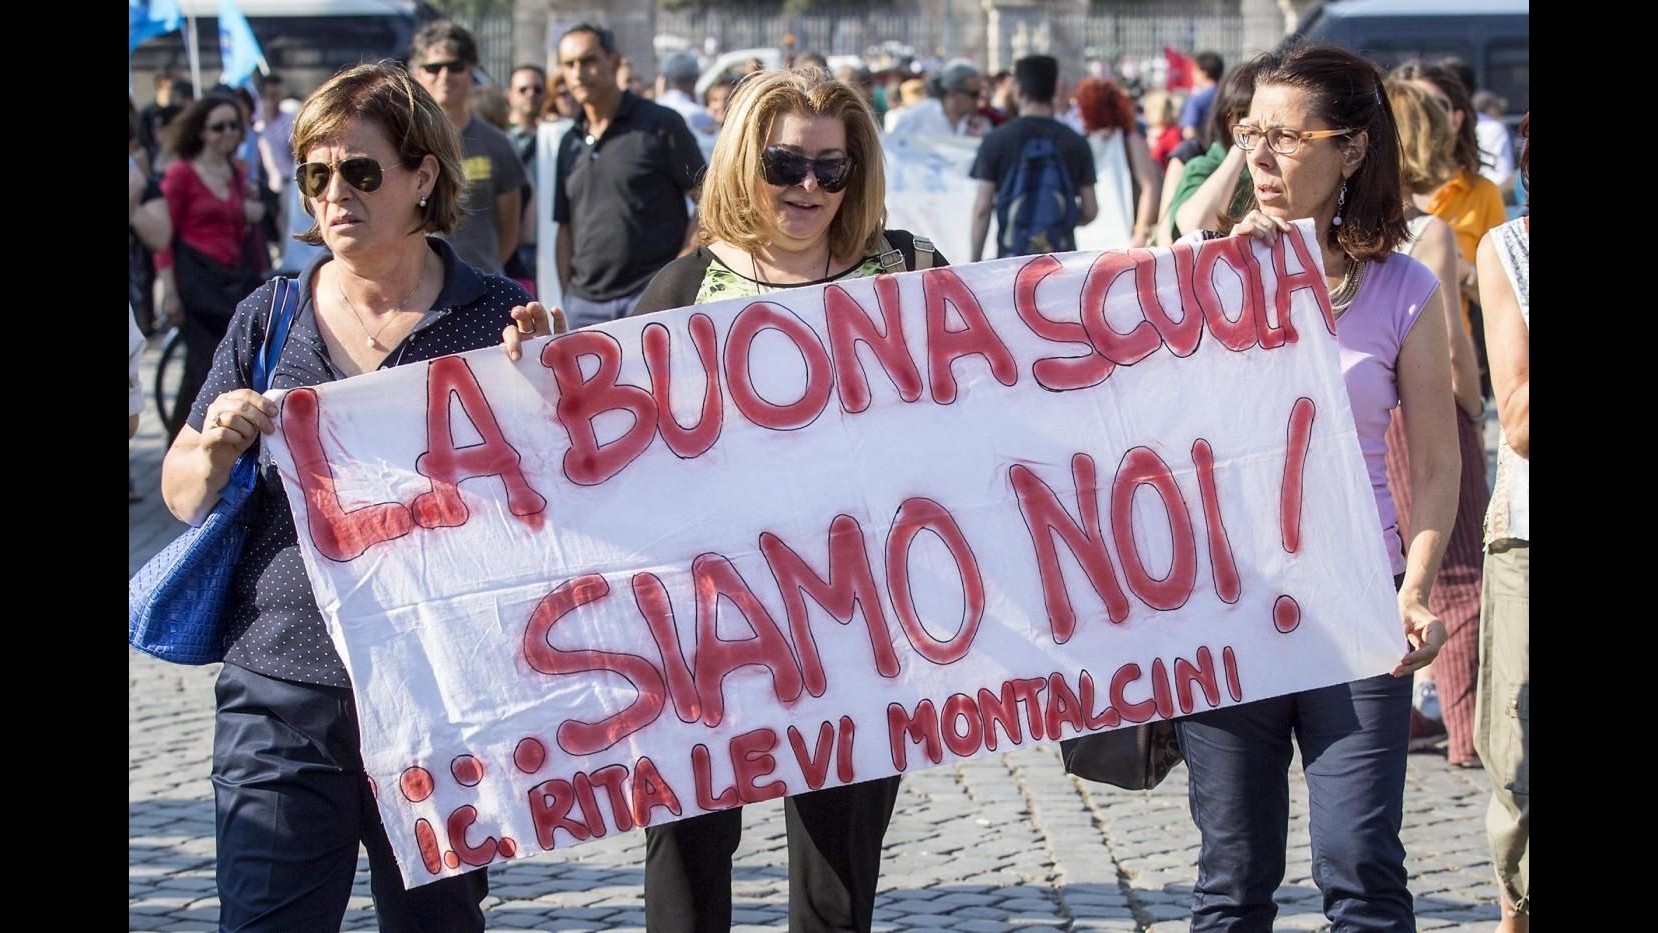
[175,603]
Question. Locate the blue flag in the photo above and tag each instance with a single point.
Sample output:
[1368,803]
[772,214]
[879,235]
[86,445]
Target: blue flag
[238,49]
[147,18]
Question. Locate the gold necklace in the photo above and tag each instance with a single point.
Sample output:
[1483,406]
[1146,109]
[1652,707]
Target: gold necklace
[373,341]
[1343,294]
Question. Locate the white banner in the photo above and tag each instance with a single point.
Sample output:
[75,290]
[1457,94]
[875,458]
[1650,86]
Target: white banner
[930,193]
[717,555]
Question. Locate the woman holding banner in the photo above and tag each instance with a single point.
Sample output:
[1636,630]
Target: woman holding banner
[1321,142]
[793,197]
[381,174]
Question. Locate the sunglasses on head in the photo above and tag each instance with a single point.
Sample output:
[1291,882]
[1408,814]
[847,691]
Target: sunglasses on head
[435,68]
[783,168]
[226,126]
[362,173]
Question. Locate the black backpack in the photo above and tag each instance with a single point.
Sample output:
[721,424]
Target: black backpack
[1037,203]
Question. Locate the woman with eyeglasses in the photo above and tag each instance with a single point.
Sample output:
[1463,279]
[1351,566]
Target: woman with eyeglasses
[214,258]
[794,196]
[1320,143]
[380,172]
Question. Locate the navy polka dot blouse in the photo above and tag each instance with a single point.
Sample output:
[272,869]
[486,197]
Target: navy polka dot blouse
[275,626]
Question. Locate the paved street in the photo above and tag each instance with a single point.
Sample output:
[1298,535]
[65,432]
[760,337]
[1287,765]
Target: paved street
[1005,842]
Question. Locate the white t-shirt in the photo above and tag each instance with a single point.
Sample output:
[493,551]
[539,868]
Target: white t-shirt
[1113,225]
[276,148]
[696,116]
[1496,150]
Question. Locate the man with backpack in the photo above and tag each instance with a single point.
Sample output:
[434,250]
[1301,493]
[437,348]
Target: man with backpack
[1034,171]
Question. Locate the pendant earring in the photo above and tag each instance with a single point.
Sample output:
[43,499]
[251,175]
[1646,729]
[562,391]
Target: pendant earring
[1341,198]
[422,201]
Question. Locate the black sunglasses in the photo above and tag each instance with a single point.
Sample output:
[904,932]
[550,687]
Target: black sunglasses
[784,168]
[362,173]
[433,68]
[226,126]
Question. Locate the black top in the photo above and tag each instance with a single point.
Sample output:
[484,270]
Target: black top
[152,121]
[275,626]
[624,196]
[1188,150]
[999,153]
[676,286]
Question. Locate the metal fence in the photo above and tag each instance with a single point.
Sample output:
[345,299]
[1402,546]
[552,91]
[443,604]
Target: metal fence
[1111,36]
[853,31]
[493,35]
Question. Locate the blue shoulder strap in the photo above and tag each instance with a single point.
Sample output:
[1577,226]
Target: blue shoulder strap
[284,303]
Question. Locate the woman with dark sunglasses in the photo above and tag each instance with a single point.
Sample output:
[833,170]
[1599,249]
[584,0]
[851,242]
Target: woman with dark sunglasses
[1320,142]
[214,259]
[380,171]
[794,196]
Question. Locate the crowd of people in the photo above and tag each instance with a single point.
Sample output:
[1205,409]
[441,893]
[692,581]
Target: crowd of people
[415,186]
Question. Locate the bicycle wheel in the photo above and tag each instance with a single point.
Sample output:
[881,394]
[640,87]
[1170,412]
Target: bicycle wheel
[169,371]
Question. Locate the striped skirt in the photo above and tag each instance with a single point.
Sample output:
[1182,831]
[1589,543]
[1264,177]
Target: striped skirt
[1456,591]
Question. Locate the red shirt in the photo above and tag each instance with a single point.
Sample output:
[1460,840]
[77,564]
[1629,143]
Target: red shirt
[1164,145]
[211,226]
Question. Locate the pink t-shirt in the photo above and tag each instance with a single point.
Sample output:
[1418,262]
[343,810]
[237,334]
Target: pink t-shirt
[1372,332]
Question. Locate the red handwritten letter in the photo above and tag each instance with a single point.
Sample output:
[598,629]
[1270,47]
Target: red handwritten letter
[580,401]
[337,534]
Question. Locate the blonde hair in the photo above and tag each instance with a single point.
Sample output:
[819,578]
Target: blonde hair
[734,183]
[1159,108]
[383,95]
[1426,152]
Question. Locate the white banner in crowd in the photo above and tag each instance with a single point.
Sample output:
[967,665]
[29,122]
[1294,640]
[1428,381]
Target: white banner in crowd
[723,554]
[930,193]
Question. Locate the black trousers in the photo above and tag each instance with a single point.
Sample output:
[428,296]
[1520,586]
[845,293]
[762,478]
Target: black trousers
[209,293]
[292,804]
[834,862]
[201,341]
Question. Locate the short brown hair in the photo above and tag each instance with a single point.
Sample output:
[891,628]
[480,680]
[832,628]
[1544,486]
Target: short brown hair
[383,94]
[733,181]
[1424,137]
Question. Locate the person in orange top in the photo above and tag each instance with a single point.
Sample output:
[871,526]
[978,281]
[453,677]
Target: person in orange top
[1469,202]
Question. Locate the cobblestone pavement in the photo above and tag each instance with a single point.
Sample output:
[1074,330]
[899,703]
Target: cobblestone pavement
[1004,842]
